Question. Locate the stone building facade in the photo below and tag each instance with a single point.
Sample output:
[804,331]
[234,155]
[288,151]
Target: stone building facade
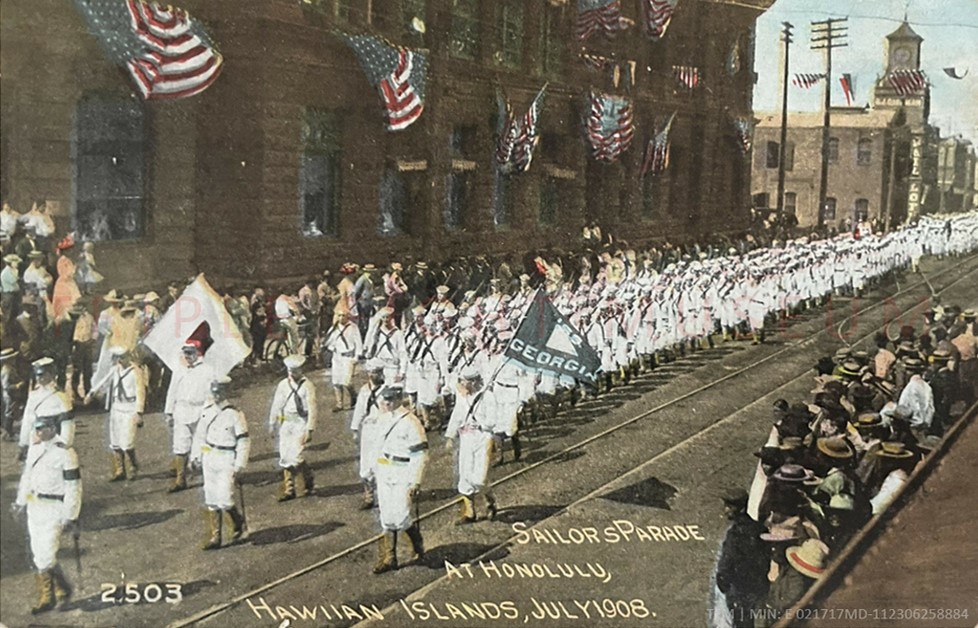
[284,167]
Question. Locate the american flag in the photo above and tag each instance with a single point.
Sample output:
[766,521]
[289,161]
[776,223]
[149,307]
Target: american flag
[657,151]
[166,52]
[847,87]
[599,16]
[518,137]
[688,75]
[805,81]
[658,14]
[907,82]
[744,128]
[609,126]
[398,73]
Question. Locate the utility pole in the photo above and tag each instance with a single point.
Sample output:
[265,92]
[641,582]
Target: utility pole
[786,38]
[826,35]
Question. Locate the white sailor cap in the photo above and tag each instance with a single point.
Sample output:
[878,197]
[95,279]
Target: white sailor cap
[294,361]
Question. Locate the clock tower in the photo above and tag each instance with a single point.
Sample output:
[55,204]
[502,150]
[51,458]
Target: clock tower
[902,53]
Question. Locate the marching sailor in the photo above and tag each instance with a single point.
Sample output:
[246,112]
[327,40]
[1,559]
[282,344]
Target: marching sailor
[293,418]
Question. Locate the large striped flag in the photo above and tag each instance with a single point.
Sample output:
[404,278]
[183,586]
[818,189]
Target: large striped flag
[848,87]
[398,73]
[609,126]
[658,14]
[907,82]
[688,75]
[166,53]
[518,136]
[806,80]
[744,128]
[599,16]
[657,151]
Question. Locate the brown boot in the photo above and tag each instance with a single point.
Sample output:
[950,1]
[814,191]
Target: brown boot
[386,553]
[129,459]
[239,530]
[180,465]
[308,481]
[338,394]
[417,543]
[466,513]
[62,590]
[491,509]
[288,484]
[118,470]
[45,593]
[213,520]
[368,496]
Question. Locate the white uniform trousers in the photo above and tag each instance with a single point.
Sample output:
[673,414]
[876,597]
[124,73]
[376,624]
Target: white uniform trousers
[507,401]
[341,372]
[218,467]
[428,390]
[394,494]
[122,426]
[291,441]
[44,523]
[474,453]
[371,440]
[185,417]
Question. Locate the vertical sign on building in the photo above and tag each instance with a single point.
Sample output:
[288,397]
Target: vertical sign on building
[913,198]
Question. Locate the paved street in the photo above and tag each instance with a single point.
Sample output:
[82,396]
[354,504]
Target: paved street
[662,473]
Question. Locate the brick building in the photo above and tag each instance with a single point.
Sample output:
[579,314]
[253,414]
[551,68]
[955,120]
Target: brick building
[882,159]
[283,166]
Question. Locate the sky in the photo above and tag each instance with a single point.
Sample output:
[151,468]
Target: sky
[949,29]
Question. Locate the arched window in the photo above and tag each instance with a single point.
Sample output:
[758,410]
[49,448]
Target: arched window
[109,151]
[864,152]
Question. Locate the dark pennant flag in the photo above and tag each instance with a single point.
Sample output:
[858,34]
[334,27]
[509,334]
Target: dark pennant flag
[165,52]
[847,87]
[399,75]
[546,340]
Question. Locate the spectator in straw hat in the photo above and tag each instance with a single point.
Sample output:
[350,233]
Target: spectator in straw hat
[896,463]
[965,343]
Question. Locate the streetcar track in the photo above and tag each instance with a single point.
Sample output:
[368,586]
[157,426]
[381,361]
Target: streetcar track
[421,591]
[789,346]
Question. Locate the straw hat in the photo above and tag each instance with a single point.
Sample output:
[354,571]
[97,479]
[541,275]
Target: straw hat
[808,558]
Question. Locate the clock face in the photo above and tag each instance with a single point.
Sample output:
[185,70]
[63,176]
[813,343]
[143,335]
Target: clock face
[901,55]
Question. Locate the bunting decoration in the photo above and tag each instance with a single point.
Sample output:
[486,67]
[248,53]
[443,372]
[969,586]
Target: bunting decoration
[518,136]
[594,62]
[953,73]
[806,81]
[688,75]
[907,82]
[733,59]
[398,73]
[656,158]
[847,87]
[166,53]
[658,14]
[744,129]
[609,126]
[600,16]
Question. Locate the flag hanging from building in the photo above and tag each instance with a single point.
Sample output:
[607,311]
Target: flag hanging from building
[609,126]
[907,82]
[547,341]
[398,73]
[518,136]
[953,73]
[744,129]
[600,16]
[166,53]
[733,59]
[806,81]
[657,151]
[847,87]
[688,75]
[658,15]
[200,314]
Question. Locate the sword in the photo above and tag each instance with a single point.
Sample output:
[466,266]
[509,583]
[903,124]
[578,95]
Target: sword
[244,512]
[76,538]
